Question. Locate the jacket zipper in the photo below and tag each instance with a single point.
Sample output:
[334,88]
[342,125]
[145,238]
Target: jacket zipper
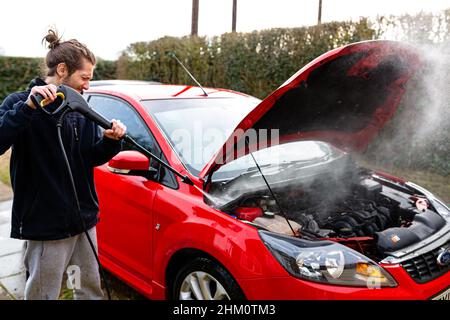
[75,131]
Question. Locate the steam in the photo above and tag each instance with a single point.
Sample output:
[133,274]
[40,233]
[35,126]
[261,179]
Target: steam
[318,176]
[434,91]
[417,137]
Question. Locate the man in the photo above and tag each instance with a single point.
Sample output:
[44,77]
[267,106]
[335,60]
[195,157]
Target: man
[44,208]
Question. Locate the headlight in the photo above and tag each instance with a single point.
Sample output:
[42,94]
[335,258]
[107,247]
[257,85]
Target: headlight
[326,262]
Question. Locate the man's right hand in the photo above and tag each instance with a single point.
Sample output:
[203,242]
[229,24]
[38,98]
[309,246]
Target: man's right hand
[48,92]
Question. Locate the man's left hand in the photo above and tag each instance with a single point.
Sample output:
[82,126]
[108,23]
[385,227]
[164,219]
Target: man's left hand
[117,131]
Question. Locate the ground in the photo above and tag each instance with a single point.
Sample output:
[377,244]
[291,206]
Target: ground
[119,290]
[5,190]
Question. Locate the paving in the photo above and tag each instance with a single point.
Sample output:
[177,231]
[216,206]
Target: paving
[12,272]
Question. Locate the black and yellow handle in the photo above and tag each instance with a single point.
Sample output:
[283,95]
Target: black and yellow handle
[46,101]
[67,97]
[39,100]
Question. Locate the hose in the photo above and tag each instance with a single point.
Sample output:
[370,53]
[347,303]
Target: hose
[72,182]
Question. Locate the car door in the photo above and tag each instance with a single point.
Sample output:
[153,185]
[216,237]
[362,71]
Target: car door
[125,227]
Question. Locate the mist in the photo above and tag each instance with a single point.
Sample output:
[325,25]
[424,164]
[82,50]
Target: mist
[416,139]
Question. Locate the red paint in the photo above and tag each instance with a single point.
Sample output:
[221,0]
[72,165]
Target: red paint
[249,213]
[131,160]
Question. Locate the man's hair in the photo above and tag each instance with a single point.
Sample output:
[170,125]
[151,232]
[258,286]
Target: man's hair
[71,52]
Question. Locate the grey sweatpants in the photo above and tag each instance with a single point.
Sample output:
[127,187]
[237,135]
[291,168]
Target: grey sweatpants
[46,262]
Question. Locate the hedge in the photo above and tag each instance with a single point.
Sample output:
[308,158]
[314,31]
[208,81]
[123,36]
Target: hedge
[255,63]
[16,73]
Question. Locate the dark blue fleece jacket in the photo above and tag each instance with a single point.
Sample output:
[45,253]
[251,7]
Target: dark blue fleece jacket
[44,206]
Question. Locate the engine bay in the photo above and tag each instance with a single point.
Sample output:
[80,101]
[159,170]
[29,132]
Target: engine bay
[353,206]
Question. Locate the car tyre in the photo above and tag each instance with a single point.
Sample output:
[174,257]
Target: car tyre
[205,279]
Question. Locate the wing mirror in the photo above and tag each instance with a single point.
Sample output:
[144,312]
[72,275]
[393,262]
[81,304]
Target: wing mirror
[132,163]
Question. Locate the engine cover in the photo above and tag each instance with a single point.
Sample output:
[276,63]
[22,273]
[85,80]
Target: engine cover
[424,224]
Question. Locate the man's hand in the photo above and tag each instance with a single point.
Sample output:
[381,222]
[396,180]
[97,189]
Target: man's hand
[48,92]
[117,131]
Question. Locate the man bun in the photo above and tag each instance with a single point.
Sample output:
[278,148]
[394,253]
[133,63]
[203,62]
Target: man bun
[53,39]
[71,52]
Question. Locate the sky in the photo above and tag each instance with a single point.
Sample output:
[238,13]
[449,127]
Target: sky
[108,26]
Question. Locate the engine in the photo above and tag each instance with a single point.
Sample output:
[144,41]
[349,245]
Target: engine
[329,197]
[374,217]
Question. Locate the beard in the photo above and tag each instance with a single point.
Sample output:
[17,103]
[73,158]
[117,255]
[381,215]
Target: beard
[68,82]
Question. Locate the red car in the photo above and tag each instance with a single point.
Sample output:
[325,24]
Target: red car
[279,210]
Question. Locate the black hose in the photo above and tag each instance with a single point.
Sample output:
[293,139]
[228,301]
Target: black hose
[83,224]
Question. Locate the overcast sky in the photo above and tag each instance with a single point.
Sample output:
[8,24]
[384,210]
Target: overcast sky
[108,27]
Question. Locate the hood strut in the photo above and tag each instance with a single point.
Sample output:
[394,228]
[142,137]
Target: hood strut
[268,186]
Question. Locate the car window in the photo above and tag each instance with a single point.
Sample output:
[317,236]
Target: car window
[114,108]
[198,127]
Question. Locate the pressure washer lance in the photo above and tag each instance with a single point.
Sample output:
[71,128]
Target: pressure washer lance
[69,100]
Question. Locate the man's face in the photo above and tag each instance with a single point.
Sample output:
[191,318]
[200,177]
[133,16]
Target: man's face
[79,80]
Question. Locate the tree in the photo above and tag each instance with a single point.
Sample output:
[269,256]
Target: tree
[319,18]
[233,23]
[194,24]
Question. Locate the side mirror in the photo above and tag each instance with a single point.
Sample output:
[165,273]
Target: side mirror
[132,163]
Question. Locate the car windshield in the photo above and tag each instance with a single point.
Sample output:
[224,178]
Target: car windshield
[198,127]
[288,165]
[305,154]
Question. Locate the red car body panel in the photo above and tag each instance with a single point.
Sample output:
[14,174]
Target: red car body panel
[130,249]
[130,158]
[407,289]
[144,224]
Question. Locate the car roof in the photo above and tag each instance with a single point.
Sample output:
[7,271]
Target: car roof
[163,91]
[96,83]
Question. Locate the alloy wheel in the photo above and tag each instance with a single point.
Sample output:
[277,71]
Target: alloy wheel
[199,285]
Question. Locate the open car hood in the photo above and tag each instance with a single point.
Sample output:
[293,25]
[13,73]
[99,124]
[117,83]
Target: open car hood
[344,97]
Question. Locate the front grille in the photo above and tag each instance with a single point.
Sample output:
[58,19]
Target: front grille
[425,268]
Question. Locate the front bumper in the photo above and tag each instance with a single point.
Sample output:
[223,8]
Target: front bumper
[290,288]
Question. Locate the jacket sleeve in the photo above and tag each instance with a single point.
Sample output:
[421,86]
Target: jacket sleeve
[15,117]
[102,150]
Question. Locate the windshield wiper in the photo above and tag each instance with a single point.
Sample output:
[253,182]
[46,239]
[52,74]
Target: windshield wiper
[256,168]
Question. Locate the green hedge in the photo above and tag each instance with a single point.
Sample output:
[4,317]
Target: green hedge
[16,73]
[255,63]
[258,62]
[105,70]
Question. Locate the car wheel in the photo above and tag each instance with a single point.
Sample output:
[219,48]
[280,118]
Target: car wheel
[205,279]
